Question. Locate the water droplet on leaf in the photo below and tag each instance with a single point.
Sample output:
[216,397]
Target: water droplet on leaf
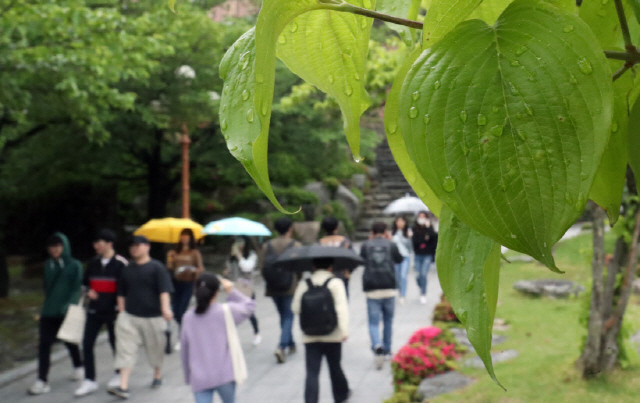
[514,63]
[436,85]
[514,236]
[521,50]
[223,124]
[482,120]
[513,89]
[458,247]
[250,115]
[356,76]
[233,148]
[245,95]
[584,176]
[348,90]
[282,39]
[294,27]
[614,126]
[449,184]
[567,28]
[495,109]
[331,78]
[393,128]
[265,108]
[470,283]
[496,131]
[413,112]
[463,116]
[427,119]
[585,66]
[415,95]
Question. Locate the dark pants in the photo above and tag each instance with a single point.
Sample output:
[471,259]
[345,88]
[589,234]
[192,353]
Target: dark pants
[339,384]
[92,327]
[253,319]
[180,298]
[48,331]
[283,305]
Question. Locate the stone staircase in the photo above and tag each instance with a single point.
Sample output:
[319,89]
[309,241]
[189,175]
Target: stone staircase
[387,185]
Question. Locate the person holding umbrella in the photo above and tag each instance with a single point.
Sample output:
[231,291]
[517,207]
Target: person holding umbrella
[185,264]
[402,237]
[425,240]
[241,266]
[330,227]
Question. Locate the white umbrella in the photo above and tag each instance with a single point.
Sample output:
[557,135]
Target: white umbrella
[405,205]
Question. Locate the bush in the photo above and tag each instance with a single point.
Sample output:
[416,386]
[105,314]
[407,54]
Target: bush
[430,351]
[444,312]
[332,184]
[358,193]
[405,394]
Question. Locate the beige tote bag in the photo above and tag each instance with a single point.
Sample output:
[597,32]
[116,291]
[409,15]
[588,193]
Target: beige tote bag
[72,329]
[235,348]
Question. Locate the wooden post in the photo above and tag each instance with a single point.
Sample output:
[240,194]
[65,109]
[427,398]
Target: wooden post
[185,141]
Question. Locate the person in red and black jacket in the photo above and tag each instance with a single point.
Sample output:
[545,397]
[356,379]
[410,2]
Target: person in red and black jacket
[101,279]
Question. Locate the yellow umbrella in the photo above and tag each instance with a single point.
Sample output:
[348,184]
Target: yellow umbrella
[167,230]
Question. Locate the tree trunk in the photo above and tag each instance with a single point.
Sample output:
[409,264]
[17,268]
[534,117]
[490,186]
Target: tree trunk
[157,181]
[608,302]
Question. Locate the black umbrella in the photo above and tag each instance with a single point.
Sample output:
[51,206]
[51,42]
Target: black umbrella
[300,259]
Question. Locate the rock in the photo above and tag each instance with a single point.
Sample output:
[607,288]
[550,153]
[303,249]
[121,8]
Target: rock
[307,231]
[461,336]
[320,190]
[373,172]
[636,286]
[442,383]
[505,355]
[500,324]
[359,181]
[350,202]
[549,288]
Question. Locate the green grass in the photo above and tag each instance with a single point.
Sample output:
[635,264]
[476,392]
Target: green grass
[548,336]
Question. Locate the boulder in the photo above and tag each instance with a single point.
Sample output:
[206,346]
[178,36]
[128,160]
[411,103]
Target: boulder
[320,190]
[443,383]
[461,337]
[548,288]
[307,231]
[350,202]
[359,181]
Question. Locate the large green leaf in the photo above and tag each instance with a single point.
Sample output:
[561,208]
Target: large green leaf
[443,16]
[396,140]
[403,9]
[328,49]
[490,10]
[469,270]
[634,141]
[507,124]
[609,181]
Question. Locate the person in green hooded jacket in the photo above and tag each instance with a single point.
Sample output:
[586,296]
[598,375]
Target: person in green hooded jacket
[62,282]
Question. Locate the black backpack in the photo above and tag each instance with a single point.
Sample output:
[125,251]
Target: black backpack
[379,273]
[277,279]
[318,315]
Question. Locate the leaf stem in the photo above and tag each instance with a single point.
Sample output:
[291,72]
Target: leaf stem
[622,70]
[624,26]
[350,8]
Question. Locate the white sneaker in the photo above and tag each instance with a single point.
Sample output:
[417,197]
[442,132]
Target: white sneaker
[77,375]
[176,347]
[423,299]
[114,382]
[257,339]
[401,300]
[39,388]
[87,386]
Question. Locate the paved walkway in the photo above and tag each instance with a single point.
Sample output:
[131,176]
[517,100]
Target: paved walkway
[268,381]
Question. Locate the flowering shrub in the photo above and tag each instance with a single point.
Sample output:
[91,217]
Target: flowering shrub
[444,312]
[430,351]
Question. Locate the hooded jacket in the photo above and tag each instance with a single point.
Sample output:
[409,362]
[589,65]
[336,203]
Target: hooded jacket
[62,281]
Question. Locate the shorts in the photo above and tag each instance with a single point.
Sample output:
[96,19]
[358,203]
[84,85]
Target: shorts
[133,332]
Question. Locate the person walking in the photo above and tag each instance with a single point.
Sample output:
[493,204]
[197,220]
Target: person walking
[402,237]
[185,265]
[321,302]
[281,284]
[62,282]
[242,265]
[379,283]
[101,279]
[330,225]
[144,304]
[425,241]
[207,352]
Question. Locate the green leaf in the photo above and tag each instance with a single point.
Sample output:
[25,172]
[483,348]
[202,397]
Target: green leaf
[635,5]
[443,16]
[403,9]
[507,124]
[172,5]
[469,271]
[610,178]
[329,49]
[238,118]
[490,10]
[634,141]
[397,144]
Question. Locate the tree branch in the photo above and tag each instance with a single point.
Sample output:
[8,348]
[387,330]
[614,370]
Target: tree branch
[624,27]
[622,70]
[349,8]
